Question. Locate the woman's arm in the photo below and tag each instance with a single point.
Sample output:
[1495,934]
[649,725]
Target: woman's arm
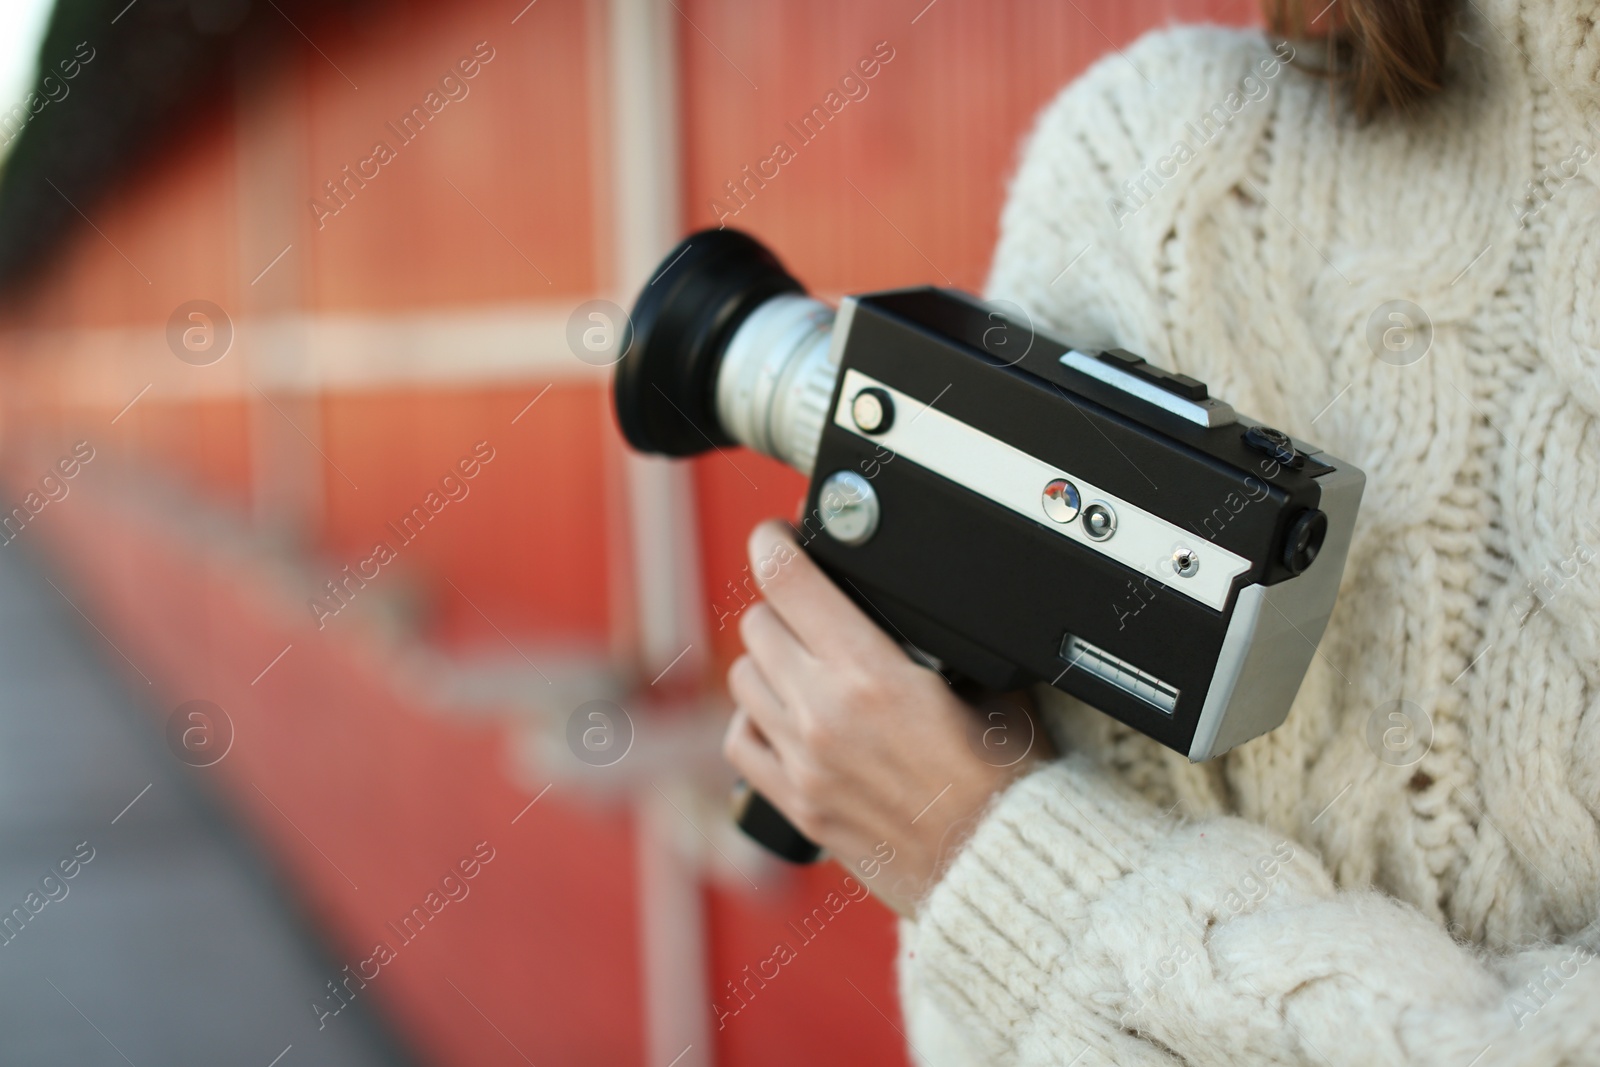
[910,780]
[1066,913]
[1078,916]
[1069,920]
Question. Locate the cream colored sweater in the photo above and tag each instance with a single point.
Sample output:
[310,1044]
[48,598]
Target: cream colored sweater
[1353,888]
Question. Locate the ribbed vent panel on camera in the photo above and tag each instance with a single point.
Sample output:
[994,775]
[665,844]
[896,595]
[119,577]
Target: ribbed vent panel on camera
[806,410]
[777,378]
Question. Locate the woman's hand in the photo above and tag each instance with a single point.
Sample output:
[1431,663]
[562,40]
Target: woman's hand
[868,754]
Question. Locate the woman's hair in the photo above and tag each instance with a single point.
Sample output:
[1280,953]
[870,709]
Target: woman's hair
[1388,53]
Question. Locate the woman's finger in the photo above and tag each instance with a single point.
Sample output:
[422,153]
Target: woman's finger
[827,622]
[747,750]
[783,660]
[754,694]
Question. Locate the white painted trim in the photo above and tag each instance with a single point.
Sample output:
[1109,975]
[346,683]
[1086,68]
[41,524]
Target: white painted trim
[288,482]
[320,354]
[644,179]
[643,175]
[672,935]
[452,348]
[645,150]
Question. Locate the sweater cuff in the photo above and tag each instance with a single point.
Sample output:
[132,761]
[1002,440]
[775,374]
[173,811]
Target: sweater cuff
[995,930]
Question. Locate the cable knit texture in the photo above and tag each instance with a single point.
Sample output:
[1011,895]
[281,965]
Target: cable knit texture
[1302,900]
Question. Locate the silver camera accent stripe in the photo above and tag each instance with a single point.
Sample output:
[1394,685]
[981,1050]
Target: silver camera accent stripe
[1092,659]
[1012,478]
[1274,631]
[1208,412]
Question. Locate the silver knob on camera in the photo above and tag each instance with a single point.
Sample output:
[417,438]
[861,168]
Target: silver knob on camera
[1099,521]
[849,507]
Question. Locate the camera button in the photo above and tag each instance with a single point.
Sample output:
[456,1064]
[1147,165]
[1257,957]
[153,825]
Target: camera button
[872,410]
[1276,444]
[1304,541]
[1060,500]
[1177,384]
[848,507]
[1099,521]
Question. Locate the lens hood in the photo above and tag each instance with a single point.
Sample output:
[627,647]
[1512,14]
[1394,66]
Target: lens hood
[665,384]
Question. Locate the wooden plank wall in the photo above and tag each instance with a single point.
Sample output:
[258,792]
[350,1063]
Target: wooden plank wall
[501,206]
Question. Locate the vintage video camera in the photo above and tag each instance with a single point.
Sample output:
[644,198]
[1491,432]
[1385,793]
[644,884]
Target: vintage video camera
[1020,509]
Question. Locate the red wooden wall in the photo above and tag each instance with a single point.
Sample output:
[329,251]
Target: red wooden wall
[502,206]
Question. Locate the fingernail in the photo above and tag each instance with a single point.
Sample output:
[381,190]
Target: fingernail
[768,536]
[771,545]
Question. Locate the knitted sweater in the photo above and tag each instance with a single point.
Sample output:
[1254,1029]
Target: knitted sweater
[1408,870]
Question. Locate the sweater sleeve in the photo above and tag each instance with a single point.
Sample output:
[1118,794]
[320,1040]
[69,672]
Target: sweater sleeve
[1082,925]
[1080,920]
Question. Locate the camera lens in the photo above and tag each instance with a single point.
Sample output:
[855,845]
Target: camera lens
[776,379]
[682,323]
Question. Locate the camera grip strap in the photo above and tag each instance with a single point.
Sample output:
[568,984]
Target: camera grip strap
[767,827]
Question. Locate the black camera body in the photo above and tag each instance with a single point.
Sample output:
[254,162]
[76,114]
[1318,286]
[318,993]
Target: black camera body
[1019,509]
[1195,568]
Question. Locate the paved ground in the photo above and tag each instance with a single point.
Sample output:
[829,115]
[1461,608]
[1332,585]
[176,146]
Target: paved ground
[174,944]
